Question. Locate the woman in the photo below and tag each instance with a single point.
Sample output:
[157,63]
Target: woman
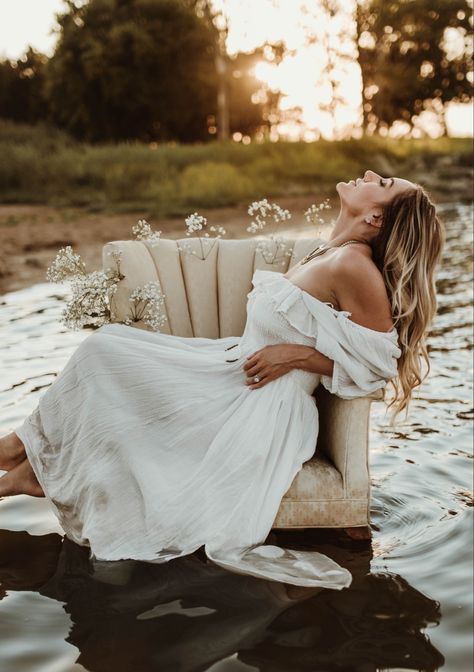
[149,445]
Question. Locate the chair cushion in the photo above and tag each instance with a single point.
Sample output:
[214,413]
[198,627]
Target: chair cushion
[319,480]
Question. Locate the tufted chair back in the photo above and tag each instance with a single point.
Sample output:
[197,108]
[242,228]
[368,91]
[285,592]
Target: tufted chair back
[205,298]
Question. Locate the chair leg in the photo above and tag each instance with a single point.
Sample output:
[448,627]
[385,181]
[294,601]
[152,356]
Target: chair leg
[362,532]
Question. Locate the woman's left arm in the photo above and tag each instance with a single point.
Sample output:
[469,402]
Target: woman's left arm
[273,361]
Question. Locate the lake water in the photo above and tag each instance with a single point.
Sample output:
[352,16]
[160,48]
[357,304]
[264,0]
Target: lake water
[410,602]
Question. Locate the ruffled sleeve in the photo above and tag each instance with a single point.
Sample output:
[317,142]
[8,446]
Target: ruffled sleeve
[354,384]
[286,301]
[364,359]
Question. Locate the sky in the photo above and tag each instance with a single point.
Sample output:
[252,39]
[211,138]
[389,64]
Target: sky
[252,22]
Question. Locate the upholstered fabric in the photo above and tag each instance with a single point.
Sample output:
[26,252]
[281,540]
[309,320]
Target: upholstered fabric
[208,298]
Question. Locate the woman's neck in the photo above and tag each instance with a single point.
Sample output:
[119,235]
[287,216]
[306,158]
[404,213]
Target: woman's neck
[346,228]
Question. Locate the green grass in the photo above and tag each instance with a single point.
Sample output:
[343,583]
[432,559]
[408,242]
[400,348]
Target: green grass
[43,165]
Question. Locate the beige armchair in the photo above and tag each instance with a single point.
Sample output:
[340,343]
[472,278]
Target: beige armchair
[208,299]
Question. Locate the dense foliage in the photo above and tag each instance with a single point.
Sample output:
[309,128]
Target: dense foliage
[43,165]
[417,56]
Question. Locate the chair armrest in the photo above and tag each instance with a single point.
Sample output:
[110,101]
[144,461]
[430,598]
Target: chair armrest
[344,437]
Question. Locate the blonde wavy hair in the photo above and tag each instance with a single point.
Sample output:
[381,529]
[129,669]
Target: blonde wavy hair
[407,251]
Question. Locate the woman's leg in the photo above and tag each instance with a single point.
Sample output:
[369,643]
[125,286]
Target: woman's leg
[12,451]
[21,480]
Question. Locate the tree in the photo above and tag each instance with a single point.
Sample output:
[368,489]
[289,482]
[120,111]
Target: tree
[219,27]
[334,31]
[138,69]
[21,88]
[252,104]
[243,104]
[409,59]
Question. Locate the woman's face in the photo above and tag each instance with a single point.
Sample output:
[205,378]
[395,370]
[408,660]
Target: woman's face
[361,195]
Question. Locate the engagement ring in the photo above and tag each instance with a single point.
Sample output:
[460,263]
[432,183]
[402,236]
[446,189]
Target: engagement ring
[256,379]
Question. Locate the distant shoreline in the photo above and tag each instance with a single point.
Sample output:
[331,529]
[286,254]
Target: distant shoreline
[43,166]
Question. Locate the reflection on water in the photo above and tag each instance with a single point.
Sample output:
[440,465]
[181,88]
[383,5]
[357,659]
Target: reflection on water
[409,606]
[191,615]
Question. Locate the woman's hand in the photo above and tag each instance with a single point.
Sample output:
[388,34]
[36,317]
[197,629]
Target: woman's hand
[271,362]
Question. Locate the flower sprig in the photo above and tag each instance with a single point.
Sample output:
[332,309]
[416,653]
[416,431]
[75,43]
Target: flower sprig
[89,303]
[66,264]
[274,249]
[313,214]
[92,293]
[196,222]
[143,231]
[262,211]
[147,305]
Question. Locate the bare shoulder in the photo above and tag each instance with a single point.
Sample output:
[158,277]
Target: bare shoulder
[359,288]
[355,263]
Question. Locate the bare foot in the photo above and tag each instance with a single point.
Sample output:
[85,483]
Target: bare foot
[12,451]
[21,480]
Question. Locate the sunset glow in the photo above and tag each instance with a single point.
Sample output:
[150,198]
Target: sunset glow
[300,76]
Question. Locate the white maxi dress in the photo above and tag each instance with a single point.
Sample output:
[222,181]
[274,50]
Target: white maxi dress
[149,445]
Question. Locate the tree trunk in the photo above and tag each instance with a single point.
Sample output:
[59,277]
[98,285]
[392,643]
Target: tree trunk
[222,99]
[361,65]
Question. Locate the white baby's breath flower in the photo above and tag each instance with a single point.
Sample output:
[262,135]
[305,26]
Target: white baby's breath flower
[113,273]
[312,214]
[147,305]
[262,211]
[67,264]
[194,223]
[219,229]
[89,303]
[143,231]
[274,248]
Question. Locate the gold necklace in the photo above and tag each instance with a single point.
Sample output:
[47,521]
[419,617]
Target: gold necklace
[322,248]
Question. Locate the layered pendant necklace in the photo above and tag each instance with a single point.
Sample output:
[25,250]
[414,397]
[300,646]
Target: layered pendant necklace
[322,248]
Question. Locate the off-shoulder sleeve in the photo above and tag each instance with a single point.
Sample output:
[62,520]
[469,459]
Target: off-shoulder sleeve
[347,386]
[364,359]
